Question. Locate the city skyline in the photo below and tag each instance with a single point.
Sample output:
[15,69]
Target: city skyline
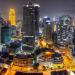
[47,7]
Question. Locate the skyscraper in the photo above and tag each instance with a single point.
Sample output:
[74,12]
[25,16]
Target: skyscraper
[30,19]
[47,28]
[54,29]
[64,35]
[1,22]
[12,20]
[30,26]
[12,17]
[5,34]
[5,31]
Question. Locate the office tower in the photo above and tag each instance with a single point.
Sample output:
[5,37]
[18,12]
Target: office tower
[55,22]
[47,28]
[5,32]
[12,20]
[41,27]
[30,19]
[30,26]
[54,37]
[12,17]
[1,22]
[18,28]
[64,35]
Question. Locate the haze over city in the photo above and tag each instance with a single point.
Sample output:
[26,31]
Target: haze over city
[47,7]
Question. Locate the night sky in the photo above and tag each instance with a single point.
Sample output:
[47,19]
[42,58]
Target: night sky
[47,7]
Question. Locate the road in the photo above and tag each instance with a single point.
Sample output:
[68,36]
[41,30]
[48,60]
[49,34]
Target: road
[13,69]
[68,63]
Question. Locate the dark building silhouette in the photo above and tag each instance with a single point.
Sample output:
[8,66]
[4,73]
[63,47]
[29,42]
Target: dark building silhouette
[74,37]
[30,19]
[30,26]
[54,37]
[20,73]
[73,41]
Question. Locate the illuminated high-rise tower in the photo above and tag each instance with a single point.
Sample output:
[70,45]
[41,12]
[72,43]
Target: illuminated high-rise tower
[47,28]
[64,34]
[12,17]
[30,26]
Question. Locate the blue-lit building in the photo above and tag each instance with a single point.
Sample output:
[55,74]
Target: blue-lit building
[47,28]
[5,31]
[5,34]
